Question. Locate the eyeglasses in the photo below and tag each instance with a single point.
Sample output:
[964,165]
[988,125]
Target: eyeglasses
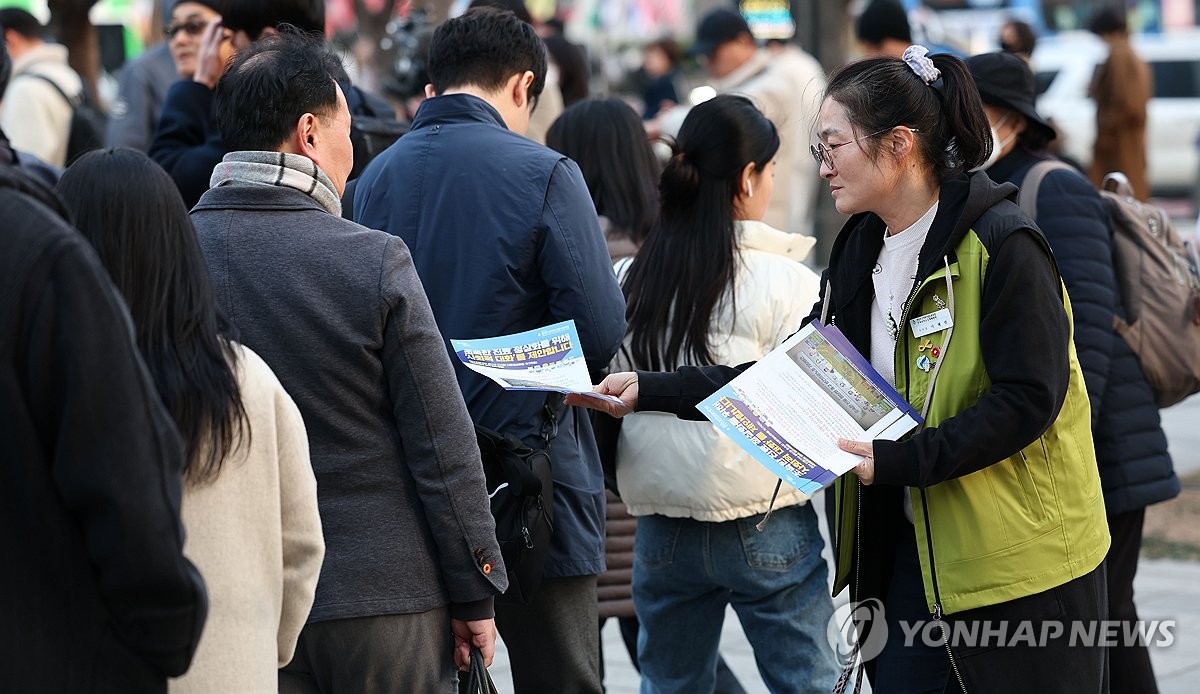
[193,28]
[823,154]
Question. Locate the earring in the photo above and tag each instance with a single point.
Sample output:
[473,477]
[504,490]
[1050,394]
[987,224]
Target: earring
[749,189]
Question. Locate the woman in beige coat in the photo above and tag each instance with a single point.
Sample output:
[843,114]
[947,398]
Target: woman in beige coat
[250,497]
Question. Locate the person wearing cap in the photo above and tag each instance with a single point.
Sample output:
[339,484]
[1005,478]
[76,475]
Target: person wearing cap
[786,86]
[1131,449]
[205,34]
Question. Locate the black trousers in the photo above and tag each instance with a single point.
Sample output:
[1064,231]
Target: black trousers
[1129,665]
[553,643]
[1053,667]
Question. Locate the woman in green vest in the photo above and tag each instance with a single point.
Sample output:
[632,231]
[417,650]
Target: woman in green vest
[978,540]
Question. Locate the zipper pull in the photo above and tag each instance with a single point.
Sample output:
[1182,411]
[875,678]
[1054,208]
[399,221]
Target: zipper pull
[528,538]
[937,612]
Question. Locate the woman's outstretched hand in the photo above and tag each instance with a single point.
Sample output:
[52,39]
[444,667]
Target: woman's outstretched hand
[623,385]
[866,469]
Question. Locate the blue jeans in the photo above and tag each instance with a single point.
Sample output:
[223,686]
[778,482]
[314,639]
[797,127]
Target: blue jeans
[686,571]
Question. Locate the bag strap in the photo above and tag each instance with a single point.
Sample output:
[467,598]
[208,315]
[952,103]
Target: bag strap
[479,681]
[550,418]
[74,103]
[1028,196]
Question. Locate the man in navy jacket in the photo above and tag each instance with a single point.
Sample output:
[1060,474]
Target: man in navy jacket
[505,239]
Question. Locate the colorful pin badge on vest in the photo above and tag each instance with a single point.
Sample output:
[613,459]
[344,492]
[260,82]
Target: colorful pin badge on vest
[924,346]
[924,363]
[935,352]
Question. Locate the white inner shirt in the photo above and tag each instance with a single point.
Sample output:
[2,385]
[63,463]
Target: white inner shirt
[893,277]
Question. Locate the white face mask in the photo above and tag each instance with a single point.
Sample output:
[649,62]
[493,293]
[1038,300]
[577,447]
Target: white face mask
[997,144]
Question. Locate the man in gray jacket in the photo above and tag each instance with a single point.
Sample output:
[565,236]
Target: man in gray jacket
[337,311]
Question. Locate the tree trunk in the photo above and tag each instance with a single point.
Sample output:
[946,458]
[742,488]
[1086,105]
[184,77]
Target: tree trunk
[73,28]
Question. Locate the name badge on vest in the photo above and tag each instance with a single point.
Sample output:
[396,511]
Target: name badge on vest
[931,322]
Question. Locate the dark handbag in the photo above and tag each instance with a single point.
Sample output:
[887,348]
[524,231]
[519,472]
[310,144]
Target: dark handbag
[478,679]
[521,488]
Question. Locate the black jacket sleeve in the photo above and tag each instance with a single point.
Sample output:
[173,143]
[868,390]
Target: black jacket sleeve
[1072,216]
[187,143]
[115,457]
[1024,335]
[678,392]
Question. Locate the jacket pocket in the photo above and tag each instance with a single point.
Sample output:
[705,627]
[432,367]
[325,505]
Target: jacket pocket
[1030,465]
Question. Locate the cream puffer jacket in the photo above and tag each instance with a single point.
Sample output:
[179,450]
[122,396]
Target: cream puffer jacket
[687,469]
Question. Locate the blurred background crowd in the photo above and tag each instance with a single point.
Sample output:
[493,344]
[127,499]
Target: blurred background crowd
[646,53]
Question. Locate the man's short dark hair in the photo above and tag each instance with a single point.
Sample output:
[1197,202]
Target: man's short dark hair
[1108,20]
[270,85]
[883,19]
[484,48]
[256,16]
[21,22]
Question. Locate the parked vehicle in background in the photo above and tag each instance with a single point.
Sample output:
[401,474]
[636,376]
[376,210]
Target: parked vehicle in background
[1065,64]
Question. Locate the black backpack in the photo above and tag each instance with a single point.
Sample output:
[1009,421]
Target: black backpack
[522,490]
[87,121]
[373,127]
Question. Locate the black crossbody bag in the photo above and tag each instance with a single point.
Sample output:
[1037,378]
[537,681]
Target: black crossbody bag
[521,488]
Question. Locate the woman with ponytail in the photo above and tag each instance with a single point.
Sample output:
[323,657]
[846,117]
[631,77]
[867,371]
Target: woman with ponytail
[982,534]
[713,284]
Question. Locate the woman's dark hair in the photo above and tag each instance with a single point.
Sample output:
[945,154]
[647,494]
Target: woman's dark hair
[484,48]
[608,141]
[573,72]
[131,212]
[882,93]
[688,262]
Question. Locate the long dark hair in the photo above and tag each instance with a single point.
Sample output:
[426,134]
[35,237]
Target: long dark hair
[132,213]
[606,138]
[882,93]
[689,261]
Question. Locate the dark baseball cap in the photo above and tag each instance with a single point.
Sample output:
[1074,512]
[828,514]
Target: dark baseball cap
[716,28]
[1005,80]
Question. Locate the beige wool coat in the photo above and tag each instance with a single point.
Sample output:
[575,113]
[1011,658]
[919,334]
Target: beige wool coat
[255,535]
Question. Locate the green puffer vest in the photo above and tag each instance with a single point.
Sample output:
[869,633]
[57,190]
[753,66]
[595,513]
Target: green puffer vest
[1018,527]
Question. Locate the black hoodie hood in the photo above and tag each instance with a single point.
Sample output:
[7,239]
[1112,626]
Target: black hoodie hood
[14,178]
